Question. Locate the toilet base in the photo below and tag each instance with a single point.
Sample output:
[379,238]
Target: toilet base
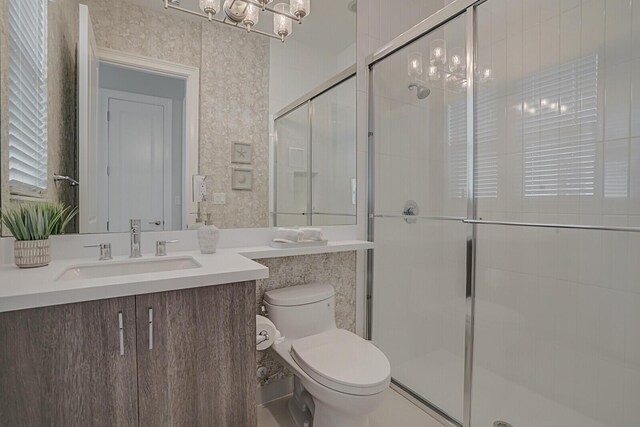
[329,408]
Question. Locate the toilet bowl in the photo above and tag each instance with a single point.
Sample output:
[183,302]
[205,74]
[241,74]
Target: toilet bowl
[344,375]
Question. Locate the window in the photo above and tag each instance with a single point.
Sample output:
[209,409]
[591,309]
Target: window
[27,96]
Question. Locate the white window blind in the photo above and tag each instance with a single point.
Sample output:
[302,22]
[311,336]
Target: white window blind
[27,96]
[486,167]
[560,111]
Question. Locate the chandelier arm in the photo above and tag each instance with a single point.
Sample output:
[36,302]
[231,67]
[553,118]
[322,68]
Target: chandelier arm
[202,15]
[272,10]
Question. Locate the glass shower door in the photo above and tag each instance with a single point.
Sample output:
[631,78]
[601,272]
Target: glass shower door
[293,147]
[333,161]
[420,193]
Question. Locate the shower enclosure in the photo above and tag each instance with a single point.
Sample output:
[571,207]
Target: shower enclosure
[315,157]
[504,202]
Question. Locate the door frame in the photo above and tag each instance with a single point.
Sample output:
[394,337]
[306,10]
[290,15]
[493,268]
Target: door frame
[191,76]
[103,147]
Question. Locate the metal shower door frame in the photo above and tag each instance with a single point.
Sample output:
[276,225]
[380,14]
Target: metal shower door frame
[440,18]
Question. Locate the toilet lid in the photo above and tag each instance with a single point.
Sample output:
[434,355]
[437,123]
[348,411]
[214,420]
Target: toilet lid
[343,361]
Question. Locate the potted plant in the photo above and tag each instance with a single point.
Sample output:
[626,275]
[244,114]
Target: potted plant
[31,224]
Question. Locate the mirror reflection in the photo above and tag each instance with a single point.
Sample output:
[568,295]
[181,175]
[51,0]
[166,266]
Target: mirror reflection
[171,112]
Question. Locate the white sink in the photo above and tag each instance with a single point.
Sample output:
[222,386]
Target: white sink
[127,267]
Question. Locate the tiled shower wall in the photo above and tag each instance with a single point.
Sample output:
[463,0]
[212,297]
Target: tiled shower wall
[557,312]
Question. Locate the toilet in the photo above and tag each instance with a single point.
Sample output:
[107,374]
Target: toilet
[339,377]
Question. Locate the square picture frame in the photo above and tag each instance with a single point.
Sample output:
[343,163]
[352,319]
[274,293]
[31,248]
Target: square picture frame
[242,179]
[241,153]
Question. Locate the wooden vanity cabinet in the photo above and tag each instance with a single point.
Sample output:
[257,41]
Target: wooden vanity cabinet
[64,365]
[190,364]
[198,369]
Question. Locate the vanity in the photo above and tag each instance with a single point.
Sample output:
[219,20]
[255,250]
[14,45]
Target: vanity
[122,342]
[165,348]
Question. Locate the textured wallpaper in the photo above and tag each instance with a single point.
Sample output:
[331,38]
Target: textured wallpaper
[61,88]
[338,269]
[121,25]
[234,107]
[234,80]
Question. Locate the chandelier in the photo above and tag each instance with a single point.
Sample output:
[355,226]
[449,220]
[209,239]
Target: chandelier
[245,14]
[445,69]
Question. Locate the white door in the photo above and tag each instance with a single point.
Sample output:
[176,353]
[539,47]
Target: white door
[89,215]
[139,160]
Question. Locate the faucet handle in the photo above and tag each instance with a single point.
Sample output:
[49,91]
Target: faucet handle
[105,250]
[161,246]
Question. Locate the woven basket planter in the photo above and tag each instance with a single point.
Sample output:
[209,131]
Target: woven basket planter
[32,253]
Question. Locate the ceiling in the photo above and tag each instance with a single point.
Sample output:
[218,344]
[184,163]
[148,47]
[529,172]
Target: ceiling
[330,27]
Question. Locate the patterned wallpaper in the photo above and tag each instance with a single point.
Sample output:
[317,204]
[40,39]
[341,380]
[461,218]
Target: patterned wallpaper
[338,269]
[234,107]
[234,81]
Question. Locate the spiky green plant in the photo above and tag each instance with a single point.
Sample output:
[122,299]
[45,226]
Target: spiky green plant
[37,221]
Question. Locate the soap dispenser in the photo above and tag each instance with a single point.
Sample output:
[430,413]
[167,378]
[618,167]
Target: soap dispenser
[208,236]
[198,223]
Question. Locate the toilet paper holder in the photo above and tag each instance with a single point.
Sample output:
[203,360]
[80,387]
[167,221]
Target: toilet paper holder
[262,337]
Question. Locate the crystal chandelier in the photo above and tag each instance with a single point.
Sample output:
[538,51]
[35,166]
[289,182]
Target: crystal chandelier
[245,14]
[446,69]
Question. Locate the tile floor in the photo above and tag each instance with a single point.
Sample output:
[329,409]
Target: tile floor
[394,411]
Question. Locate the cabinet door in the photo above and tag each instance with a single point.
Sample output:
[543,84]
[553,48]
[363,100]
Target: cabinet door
[196,357]
[67,366]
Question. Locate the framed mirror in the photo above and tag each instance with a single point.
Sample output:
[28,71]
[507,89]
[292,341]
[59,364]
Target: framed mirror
[150,109]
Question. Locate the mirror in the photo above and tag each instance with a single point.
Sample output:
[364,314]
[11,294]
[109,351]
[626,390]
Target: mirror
[147,109]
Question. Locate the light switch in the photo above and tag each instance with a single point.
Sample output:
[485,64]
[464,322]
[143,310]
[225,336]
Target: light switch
[219,198]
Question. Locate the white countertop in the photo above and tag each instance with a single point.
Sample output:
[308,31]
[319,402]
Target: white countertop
[38,287]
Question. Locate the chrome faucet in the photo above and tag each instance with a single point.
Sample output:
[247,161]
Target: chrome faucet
[135,230]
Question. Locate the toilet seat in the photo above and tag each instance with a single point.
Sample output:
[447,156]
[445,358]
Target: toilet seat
[343,361]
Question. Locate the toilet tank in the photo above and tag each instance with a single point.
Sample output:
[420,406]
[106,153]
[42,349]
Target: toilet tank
[300,311]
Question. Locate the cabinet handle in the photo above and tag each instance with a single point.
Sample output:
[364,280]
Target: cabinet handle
[150,328]
[121,332]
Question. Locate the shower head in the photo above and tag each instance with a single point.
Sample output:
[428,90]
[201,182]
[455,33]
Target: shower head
[421,91]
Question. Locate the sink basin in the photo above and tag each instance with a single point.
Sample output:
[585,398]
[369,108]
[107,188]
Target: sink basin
[127,267]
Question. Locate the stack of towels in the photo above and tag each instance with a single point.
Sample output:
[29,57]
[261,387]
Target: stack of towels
[298,235]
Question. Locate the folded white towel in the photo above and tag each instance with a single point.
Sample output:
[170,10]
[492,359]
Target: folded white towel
[290,234]
[312,234]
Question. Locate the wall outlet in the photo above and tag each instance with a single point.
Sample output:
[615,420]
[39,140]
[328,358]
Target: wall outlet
[219,198]
[199,188]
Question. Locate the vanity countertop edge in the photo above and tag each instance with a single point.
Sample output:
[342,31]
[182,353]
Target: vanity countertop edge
[32,288]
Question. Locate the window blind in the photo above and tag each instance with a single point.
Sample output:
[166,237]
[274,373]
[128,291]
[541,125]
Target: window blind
[27,96]
[560,112]
[486,167]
